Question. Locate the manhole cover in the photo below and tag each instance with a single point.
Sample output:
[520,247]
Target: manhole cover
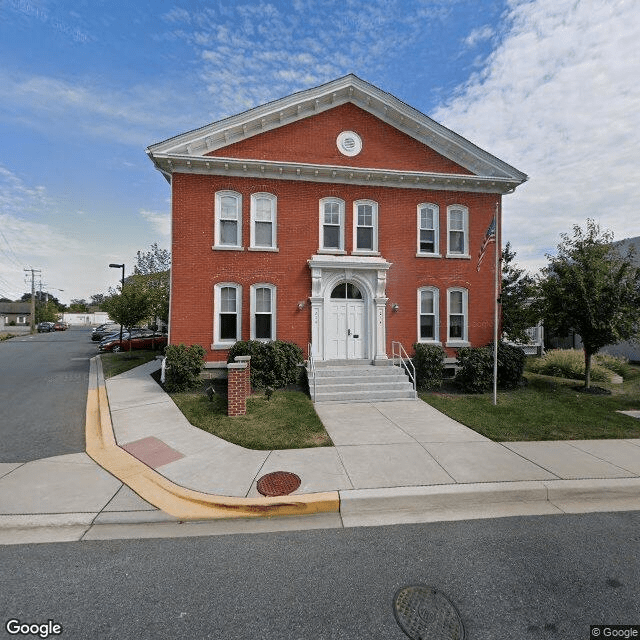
[424,613]
[278,483]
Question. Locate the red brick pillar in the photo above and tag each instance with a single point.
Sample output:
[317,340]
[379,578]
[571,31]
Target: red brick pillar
[237,388]
[247,373]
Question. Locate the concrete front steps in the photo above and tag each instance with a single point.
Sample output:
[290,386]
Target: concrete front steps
[359,381]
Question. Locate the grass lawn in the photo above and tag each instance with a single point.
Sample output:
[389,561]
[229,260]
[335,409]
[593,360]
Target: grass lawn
[286,421]
[115,363]
[546,409]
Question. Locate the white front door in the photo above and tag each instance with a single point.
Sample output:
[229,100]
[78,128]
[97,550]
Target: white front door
[345,330]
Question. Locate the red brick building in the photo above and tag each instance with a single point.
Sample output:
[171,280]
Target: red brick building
[337,216]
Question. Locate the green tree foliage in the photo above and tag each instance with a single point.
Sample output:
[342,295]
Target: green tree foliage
[519,311]
[47,312]
[129,307]
[590,288]
[78,306]
[152,275]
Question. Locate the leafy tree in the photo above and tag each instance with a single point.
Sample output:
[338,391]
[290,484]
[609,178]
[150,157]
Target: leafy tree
[127,308]
[152,275]
[97,299]
[47,312]
[590,288]
[78,305]
[519,311]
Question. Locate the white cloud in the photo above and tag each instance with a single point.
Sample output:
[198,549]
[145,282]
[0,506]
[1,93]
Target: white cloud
[132,116]
[559,99]
[479,35]
[161,222]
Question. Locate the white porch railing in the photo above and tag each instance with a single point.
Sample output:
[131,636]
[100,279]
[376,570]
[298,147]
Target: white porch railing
[401,359]
[311,369]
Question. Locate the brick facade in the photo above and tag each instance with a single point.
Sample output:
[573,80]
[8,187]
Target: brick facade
[197,267]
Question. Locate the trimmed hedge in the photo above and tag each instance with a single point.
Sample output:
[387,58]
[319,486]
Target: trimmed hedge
[184,365]
[273,364]
[476,367]
[428,360]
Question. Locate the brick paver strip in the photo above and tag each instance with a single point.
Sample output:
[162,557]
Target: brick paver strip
[153,452]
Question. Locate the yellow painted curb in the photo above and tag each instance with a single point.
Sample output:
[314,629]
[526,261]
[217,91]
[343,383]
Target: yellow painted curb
[184,504]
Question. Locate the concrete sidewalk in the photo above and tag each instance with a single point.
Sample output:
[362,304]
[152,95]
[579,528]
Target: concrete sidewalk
[392,462]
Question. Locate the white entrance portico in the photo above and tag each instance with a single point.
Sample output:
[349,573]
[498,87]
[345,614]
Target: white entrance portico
[348,301]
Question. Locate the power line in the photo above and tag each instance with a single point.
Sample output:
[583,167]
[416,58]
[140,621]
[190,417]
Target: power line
[15,258]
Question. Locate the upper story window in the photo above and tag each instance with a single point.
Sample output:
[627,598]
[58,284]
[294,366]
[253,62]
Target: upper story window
[228,220]
[428,325]
[263,221]
[227,301]
[428,231]
[457,231]
[331,225]
[365,226]
[457,322]
[263,312]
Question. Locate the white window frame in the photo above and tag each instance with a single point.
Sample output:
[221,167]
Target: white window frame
[217,239]
[436,314]
[464,340]
[465,229]
[252,307]
[374,225]
[340,250]
[274,216]
[218,342]
[436,229]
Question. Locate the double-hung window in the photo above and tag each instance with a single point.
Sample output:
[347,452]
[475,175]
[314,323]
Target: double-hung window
[331,225]
[263,221]
[457,231]
[227,301]
[428,229]
[263,312]
[457,322]
[365,226]
[228,220]
[428,329]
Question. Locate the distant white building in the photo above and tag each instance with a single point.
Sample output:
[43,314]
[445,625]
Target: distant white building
[86,319]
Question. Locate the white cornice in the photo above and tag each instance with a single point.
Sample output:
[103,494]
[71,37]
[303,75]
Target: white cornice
[234,167]
[313,101]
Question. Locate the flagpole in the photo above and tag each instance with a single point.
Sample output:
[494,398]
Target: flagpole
[495,304]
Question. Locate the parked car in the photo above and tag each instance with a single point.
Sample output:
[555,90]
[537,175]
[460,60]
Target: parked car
[98,333]
[140,339]
[60,326]
[45,327]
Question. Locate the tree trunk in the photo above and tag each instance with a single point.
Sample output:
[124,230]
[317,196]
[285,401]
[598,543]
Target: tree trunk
[587,369]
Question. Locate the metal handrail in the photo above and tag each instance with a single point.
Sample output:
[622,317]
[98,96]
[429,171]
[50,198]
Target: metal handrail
[311,367]
[398,353]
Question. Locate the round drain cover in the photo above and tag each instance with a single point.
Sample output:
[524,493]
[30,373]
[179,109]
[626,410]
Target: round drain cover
[278,483]
[424,613]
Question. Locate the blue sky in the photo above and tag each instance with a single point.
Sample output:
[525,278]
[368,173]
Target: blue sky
[550,86]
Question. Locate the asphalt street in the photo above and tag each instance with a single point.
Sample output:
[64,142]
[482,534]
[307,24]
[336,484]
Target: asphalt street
[43,394]
[539,577]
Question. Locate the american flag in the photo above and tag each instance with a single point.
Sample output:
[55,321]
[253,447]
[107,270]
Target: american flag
[489,237]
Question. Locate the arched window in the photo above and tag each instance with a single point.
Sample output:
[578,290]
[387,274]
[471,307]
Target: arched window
[263,221]
[227,317]
[331,225]
[263,311]
[228,220]
[346,291]
[428,315]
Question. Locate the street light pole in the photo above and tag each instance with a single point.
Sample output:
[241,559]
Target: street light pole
[119,266]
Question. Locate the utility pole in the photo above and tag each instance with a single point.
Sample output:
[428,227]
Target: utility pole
[33,297]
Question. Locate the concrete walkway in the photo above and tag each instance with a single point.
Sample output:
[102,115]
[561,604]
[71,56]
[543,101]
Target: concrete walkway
[399,461]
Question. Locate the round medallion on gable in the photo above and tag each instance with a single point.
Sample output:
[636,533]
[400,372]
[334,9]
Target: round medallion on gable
[349,143]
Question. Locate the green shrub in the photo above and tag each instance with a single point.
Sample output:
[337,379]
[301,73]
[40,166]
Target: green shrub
[475,373]
[567,363]
[273,364]
[619,366]
[511,361]
[184,365]
[428,360]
